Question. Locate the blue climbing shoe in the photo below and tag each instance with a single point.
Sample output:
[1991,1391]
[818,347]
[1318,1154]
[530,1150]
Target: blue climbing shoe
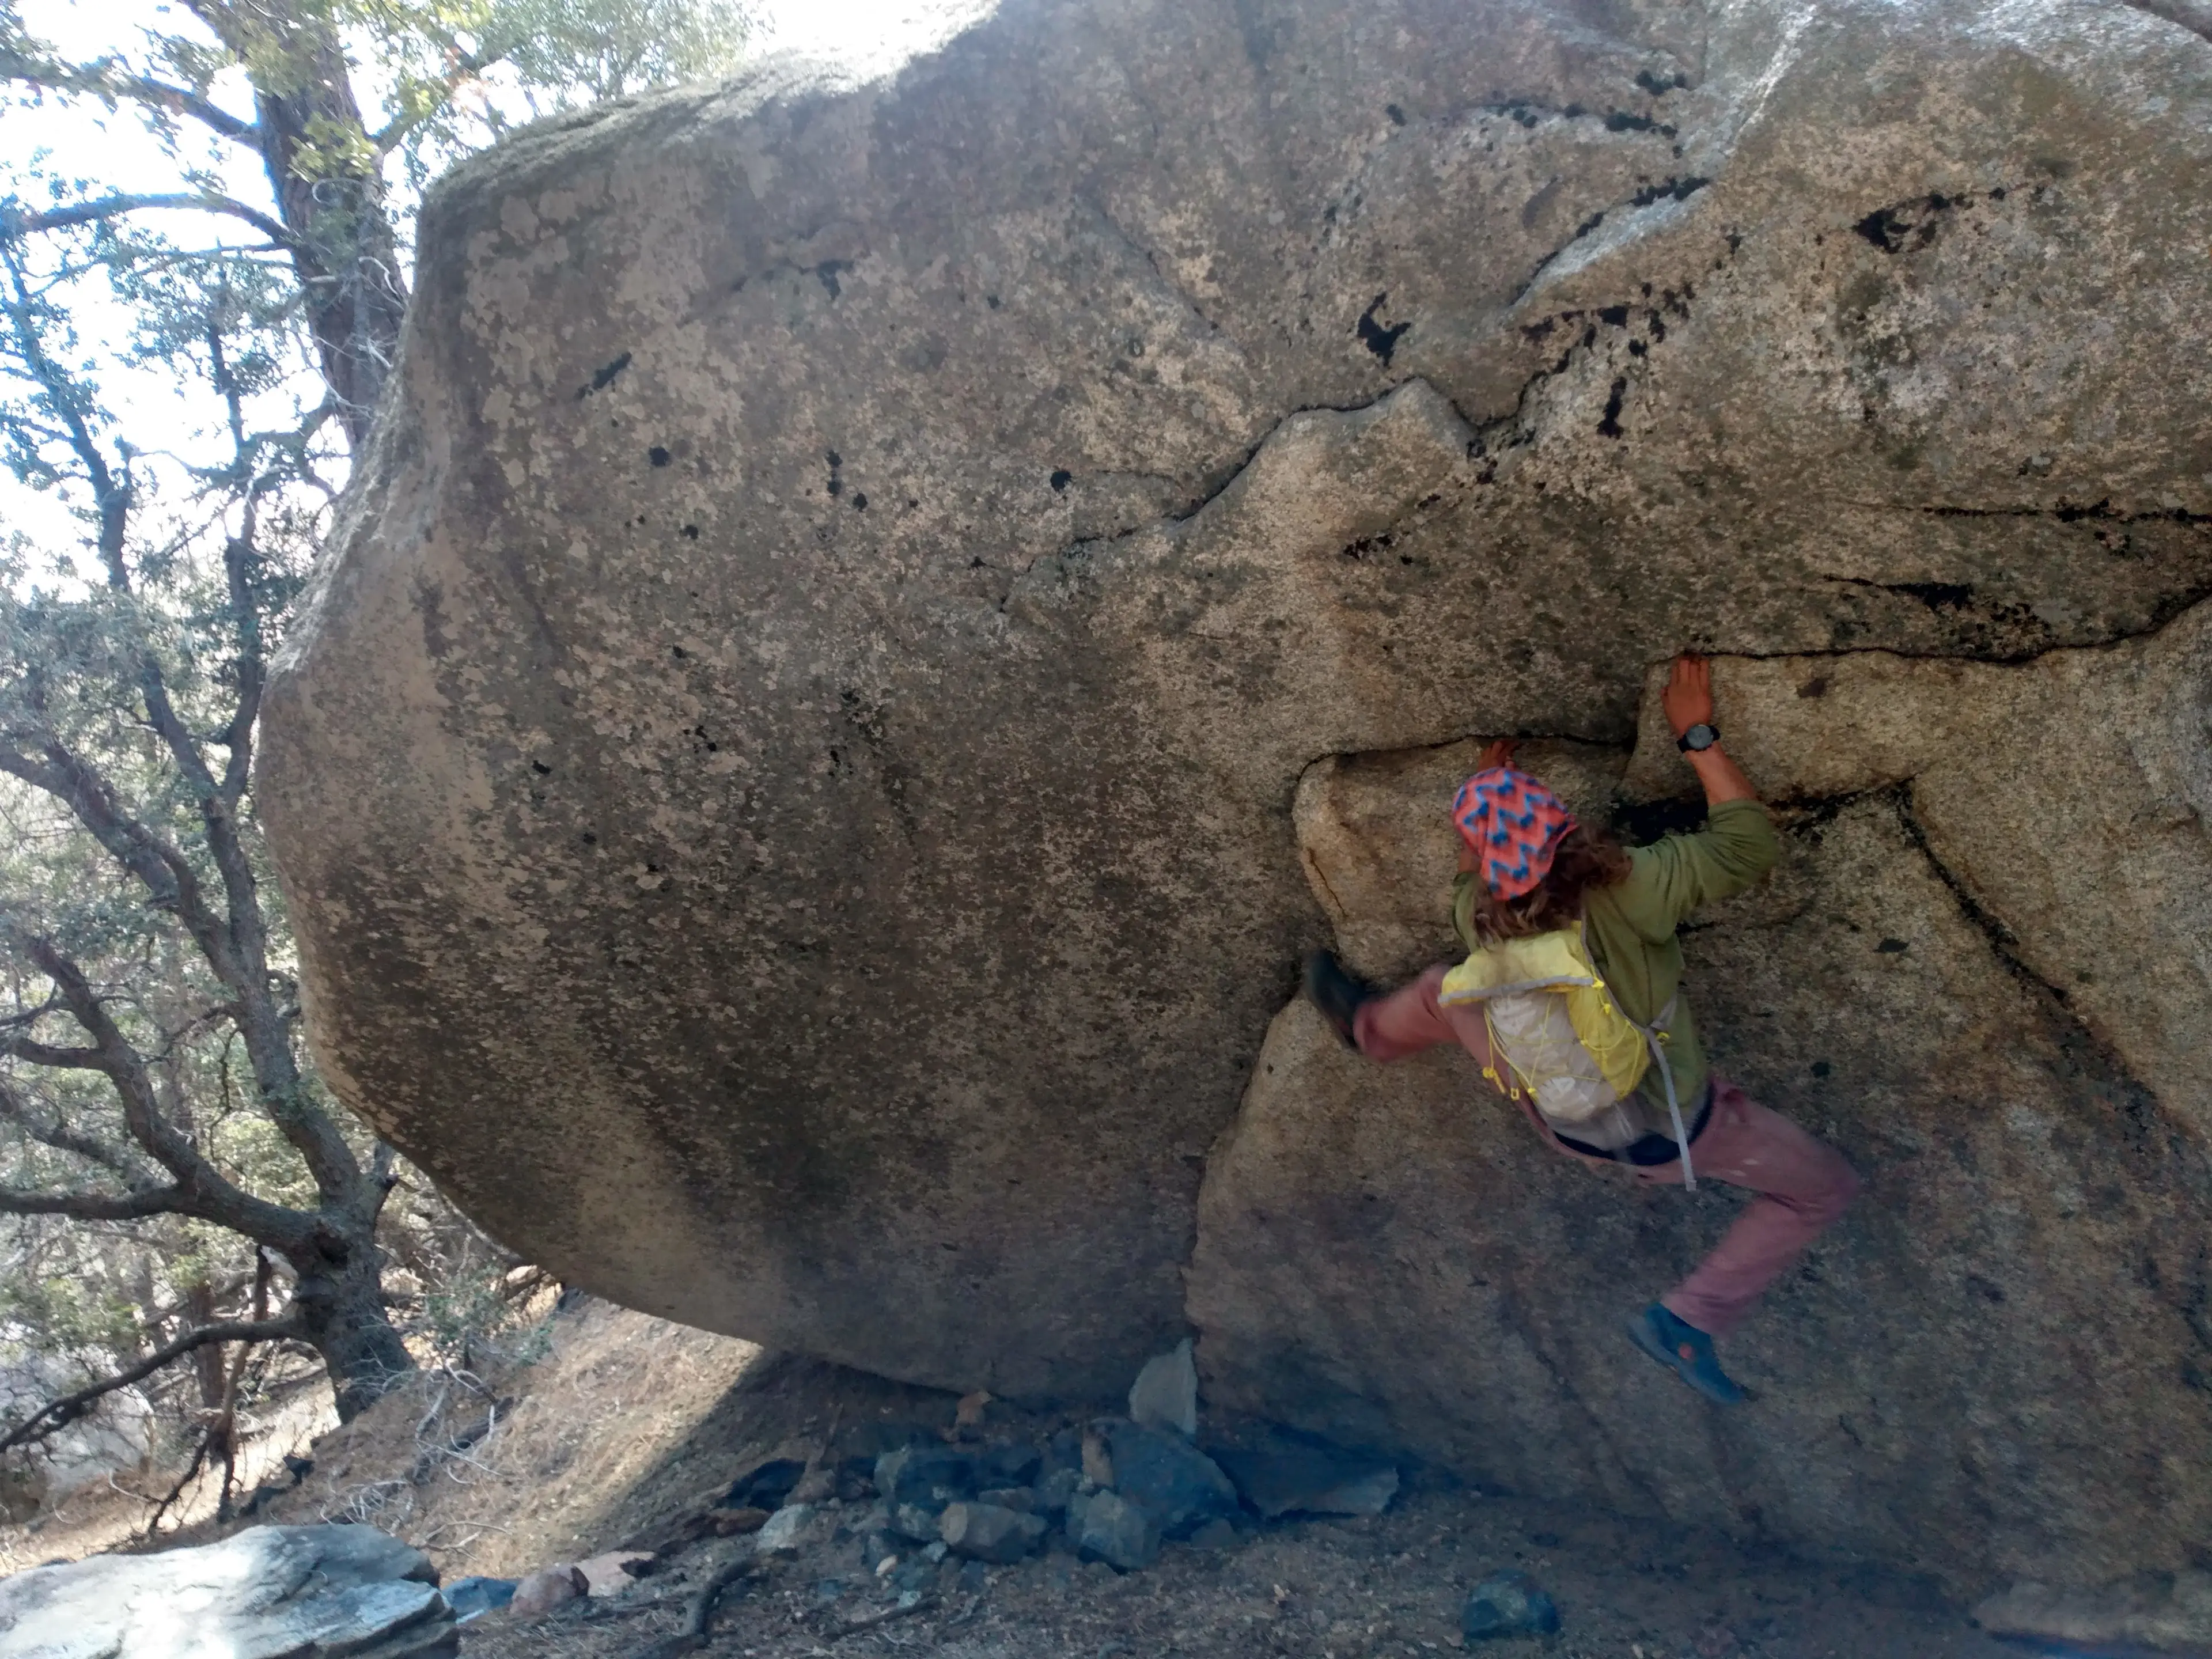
[1335,992]
[1684,1350]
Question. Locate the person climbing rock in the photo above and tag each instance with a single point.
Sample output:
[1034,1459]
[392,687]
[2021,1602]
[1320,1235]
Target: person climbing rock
[1570,1001]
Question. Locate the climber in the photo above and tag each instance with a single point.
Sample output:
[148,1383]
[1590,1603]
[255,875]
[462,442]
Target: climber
[1535,887]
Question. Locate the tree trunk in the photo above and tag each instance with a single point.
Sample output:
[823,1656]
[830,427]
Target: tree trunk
[339,1303]
[208,1368]
[347,257]
[328,184]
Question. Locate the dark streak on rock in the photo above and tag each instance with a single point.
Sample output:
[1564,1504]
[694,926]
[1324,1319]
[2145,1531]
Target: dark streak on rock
[604,377]
[1610,426]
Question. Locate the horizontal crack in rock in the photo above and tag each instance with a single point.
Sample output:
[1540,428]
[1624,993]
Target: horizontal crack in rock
[1170,521]
[1944,596]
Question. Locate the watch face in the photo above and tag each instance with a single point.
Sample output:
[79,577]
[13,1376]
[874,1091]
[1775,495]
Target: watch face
[1700,735]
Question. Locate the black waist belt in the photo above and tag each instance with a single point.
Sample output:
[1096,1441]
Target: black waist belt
[1646,1150]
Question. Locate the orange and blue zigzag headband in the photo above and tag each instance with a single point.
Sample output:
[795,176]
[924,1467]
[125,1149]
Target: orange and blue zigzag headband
[1514,824]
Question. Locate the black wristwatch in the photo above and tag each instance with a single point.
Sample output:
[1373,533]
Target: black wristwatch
[1698,737]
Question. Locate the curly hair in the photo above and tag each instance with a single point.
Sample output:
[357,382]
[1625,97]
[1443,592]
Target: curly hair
[1585,858]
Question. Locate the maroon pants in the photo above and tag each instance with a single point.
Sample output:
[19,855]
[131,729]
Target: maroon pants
[1803,1184]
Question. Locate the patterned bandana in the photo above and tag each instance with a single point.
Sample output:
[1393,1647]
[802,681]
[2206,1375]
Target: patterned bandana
[1514,823]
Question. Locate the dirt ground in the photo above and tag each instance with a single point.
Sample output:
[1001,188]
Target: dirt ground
[628,1429]
[1330,1589]
[519,1467]
[632,1426]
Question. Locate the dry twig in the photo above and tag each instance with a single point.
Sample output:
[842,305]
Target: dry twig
[882,1616]
[691,1636]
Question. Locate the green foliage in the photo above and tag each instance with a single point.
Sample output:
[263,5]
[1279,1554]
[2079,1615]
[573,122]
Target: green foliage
[464,72]
[177,415]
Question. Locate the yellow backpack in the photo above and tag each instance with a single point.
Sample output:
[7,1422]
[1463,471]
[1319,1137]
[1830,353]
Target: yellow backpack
[1563,1038]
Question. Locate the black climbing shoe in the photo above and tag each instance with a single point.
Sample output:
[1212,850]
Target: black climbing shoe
[1685,1350]
[1335,992]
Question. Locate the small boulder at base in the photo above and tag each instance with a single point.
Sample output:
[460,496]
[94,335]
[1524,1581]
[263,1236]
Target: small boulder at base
[765,1487]
[1054,1492]
[1281,1472]
[1165,1393]
[1507,1604]
[911,1521]
[546,1589]
[474,1596]
[1010,1464]
[612,1573]
[267,1593]
[988,1532]
[930,1476]
[1106,1527]
[1179,1485]
[786,1530]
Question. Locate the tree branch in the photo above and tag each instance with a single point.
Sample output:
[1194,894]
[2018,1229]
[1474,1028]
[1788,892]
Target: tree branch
[200,1189]
[47,1053]
[98,1206]
[236,946]
[111,493]
[16,222]
[105,79]
[119,1060]
[467,67]
[174,885]
[60,1413]
[238,554]
[166,874]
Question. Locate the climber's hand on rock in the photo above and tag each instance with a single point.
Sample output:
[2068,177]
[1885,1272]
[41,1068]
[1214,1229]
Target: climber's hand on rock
[1500,752]
[1689,698]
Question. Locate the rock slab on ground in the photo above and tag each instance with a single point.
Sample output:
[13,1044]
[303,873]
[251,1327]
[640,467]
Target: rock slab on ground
[885,610]
[2169,1613]
[265,1593]
[1507,1604]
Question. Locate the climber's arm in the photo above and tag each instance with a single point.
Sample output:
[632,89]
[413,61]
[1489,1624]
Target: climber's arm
[1689,702]
[1736,846]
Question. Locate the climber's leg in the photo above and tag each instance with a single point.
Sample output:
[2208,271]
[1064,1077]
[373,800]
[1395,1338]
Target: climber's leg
[1803,1184]
[1390,1027]
[1404,1022]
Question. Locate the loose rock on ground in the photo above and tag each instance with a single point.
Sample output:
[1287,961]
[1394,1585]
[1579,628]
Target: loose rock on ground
[265,1593]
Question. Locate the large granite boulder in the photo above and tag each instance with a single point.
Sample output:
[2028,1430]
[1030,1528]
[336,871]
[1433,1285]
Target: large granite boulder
[885,612]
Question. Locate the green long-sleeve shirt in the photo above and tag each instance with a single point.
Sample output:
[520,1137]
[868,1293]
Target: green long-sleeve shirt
[1632,932]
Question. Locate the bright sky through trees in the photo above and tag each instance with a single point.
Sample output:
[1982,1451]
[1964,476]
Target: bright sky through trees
[81,141]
